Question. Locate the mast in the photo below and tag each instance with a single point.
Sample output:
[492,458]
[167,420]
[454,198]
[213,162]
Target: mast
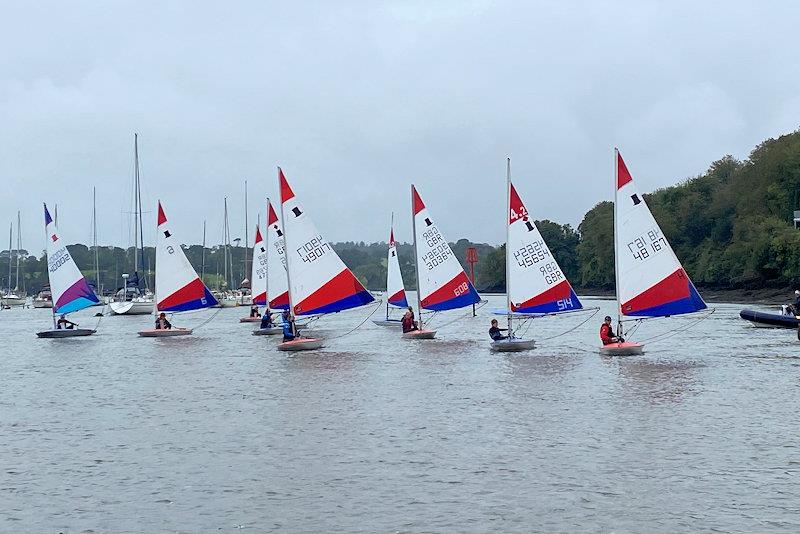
[10,260]
[19,246]
[94,241]
[508,255]
[287,258]
[265,237]
[139,210]
[416,258]
[246,241]
[389,266]
[203,255]
[225,242]
[616,239]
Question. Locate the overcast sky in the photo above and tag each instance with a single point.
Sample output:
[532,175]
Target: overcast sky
[357,100]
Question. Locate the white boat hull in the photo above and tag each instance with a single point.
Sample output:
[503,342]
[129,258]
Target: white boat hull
[627,348]
[65,332]
[420,334]
[301,344]
[250,320]
[13,301]
[132,308]
[271,331]
[513,345]
[170,332]
[388,322]
[42,303]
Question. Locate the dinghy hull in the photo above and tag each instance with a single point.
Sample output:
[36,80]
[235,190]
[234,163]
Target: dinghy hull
[64,333]
[388,322]
[271,331]
[512,345]
[627,348]
[172,332]
[297,345]
[250,320]
[420,334]
[769,320]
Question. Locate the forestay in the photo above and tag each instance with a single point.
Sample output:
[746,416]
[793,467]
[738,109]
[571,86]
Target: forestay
[651,281]
[536,282]
[319,280]
[258,275]
[70,291]
[178,287]
[441,281]
[276,260]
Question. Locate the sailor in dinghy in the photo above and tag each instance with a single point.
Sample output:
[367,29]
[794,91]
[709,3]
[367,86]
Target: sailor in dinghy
[650,280]
[178,286]
[69,289]
[395,289]
[318,281]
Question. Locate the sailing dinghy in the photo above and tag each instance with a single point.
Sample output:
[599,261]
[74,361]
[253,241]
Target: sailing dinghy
[442,283]
[318,281]
[276,271]
[258,277]
[178,287]
[650,281]
[535,284]
[395,290]
[69,289]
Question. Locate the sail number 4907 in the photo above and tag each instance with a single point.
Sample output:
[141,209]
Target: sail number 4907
[313,249]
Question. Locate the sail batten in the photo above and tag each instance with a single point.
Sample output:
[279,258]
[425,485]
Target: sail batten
[651,281]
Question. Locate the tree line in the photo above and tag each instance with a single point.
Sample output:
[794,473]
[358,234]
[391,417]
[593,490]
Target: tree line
[731,227]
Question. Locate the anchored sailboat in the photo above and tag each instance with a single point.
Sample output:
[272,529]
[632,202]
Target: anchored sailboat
[131,299]
[178,287]
[70,290]
[650,280]
[395,290]
[442,283]
[535,284]
[319,282]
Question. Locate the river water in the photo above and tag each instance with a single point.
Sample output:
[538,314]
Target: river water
[221,433]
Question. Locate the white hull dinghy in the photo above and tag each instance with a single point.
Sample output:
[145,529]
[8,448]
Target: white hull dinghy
[271,331]
[69,290]
[420,334]
[395,289]
[650,280]
[535,283]
[318,281]
[178,287]
[396,323]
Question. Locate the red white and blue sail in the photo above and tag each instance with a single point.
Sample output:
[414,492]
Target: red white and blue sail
[69,289]
[178,287]
[319,280]
[278,289]
[650,280]
[536,283]
[395,290]
[441,281]
[258,276]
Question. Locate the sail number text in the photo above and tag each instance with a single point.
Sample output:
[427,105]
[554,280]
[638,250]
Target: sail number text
[647,245]
[531,254]
[439,250]
[57,260]
[313,249]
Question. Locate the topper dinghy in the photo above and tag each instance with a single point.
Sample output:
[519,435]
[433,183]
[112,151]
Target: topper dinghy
[395,290]
[442,283]
[535,284]
[69,289]
[258,277]
[650,280]
[318,281]
[178,287]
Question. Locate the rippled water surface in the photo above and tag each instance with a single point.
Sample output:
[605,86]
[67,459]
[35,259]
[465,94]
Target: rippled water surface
[219,432]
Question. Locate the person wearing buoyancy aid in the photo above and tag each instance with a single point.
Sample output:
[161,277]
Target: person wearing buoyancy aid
[607,335]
